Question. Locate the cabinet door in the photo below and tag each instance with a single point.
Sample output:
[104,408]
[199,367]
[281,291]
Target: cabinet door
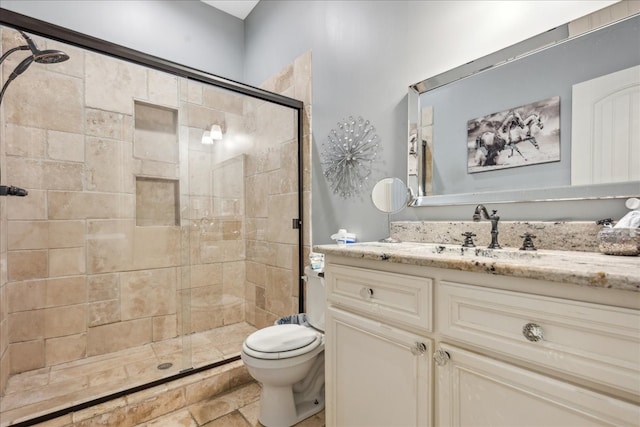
[475,390]
[376,375]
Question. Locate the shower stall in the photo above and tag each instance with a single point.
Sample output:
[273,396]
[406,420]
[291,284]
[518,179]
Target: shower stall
[162,223]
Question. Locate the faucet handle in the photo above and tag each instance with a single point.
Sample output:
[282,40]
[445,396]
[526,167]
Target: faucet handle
[468,240]
[527,243]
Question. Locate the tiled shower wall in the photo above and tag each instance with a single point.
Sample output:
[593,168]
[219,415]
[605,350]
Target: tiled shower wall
[86,268]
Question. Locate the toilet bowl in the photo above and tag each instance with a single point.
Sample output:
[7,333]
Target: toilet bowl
[288,360]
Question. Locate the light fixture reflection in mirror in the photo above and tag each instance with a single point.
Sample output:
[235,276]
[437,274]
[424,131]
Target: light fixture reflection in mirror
[214,134]
[390,195]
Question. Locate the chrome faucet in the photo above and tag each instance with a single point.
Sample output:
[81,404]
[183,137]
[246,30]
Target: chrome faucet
[482,211]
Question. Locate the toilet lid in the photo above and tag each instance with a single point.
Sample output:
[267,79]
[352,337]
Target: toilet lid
[281,341]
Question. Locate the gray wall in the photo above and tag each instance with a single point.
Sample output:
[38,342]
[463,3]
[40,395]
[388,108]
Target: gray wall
[186,32]
[359,51]
[365,54]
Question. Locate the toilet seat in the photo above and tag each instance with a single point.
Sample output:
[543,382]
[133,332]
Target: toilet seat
[281,342]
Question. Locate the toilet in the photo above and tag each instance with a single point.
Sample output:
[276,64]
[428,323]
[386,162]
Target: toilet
[288,360]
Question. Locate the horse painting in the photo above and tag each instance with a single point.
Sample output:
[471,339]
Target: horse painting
[494,139]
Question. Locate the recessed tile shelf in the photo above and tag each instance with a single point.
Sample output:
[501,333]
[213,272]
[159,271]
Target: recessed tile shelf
[157,202]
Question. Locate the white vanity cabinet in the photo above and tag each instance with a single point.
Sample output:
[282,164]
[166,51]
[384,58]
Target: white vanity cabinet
[408,345]
[378,363]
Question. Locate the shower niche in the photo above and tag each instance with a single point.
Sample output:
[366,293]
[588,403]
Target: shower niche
[157,202]
[156,149]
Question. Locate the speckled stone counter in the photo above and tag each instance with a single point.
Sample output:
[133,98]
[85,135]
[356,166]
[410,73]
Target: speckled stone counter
[581,268]
[556,235]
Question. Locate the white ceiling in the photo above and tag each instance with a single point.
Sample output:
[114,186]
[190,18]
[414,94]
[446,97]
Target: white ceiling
[238,8]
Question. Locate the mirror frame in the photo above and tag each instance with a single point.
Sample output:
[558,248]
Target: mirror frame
[418,185]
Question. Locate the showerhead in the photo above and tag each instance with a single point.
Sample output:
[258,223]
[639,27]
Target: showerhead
[50,56]
[47,56]
[44,56]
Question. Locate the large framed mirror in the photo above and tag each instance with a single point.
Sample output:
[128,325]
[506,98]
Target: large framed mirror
[445,113]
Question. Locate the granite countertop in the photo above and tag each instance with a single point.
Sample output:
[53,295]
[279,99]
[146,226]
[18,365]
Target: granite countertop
[581,268]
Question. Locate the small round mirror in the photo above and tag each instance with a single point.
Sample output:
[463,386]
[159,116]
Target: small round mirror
[390,195]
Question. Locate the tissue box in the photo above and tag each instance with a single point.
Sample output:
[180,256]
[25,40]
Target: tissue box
[619,241]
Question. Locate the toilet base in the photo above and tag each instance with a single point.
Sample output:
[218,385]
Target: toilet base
[278,406]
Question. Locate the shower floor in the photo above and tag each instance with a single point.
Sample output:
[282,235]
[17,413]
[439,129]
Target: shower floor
[46,390]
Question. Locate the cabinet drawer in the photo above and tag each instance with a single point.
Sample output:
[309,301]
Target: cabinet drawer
[596,342]
[397,298]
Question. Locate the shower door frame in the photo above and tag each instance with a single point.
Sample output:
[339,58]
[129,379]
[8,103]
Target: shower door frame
[83,41]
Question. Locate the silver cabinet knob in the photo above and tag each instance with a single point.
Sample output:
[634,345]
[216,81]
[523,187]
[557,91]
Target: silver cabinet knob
[532,332]
[419,349]
[441,357]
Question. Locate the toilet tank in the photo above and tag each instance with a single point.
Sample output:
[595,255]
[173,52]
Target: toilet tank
[316,297]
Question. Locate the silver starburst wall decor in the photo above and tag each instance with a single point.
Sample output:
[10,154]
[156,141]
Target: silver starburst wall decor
[348,154]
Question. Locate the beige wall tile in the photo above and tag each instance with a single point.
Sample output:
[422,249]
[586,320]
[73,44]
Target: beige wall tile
[118,336]
[104,312]
[5,369]
[302,74]
[28,295]
[257,188]
[28,235]
[32,207]
[165,327]
[25,356]
[163,88]
[206,303]
[199,173]
[278,291]
[103,287]
[65,146]
[66,291]
[222,100]
[63,176]
[109,246]
[66,234]
[105,167]
[45,88]
[233,312]
[144,167]
[279,225]
[148,293]
[156,247]
[191,91]
[104,124]
[25,141]
[65,349]
[234,279]
[28,172]
[200,117]
[111,85]
[63,321]
[25,265]
[205,275]
[26,325]
[77,205]
[66,262]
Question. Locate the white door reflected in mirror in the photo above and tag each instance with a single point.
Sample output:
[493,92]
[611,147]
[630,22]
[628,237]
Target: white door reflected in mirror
[390,195]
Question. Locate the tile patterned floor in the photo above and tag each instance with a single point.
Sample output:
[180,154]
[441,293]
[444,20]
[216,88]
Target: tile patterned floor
[44,390]
[237,408]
